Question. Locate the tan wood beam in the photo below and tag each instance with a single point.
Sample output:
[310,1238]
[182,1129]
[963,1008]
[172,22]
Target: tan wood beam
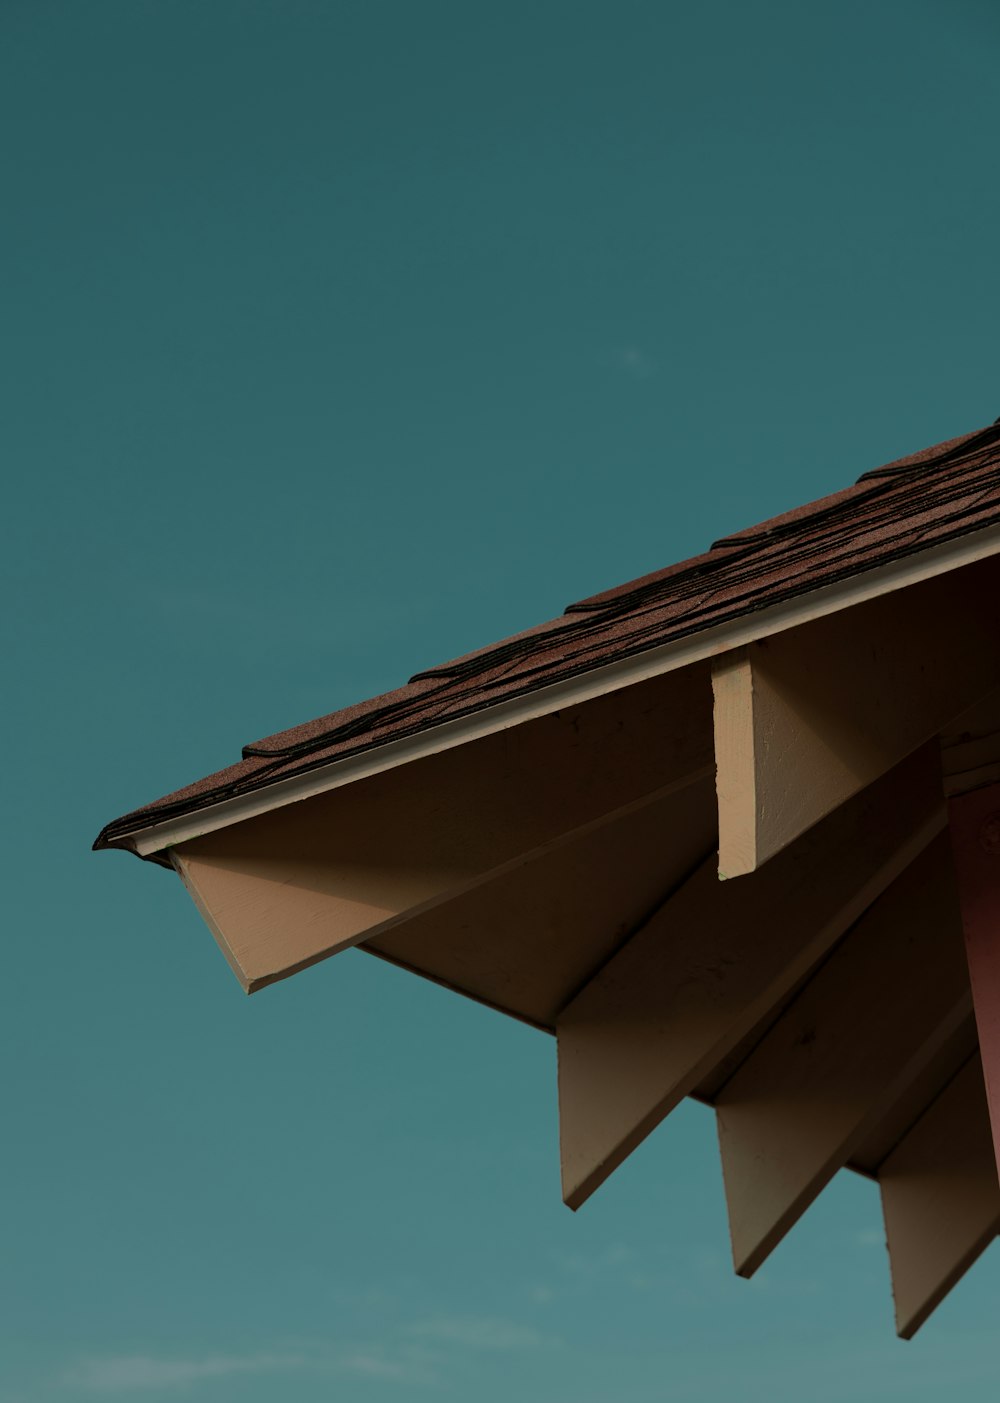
[805,719]
[940,1198]
[872,1019]
[284,889]
[527,940]
[714,962]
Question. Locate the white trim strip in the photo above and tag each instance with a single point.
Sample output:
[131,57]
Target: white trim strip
[898,574]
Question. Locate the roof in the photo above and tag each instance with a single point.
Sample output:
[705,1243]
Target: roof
[903,509]
[809,711]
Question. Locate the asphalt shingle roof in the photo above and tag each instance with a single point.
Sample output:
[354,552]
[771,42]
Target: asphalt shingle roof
[931,497]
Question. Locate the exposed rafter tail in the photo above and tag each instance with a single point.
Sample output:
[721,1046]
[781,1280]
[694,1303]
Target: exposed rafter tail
[715,962]
[878,1012]
[940,1198]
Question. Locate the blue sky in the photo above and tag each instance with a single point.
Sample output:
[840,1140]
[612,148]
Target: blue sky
[340,339]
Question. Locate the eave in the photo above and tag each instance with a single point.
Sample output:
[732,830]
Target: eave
[153,839]
[553,850]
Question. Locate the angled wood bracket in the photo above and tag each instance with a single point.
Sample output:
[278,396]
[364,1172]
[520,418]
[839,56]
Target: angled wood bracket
[715,961]
[287,888]
[940,1198]
[875,1015]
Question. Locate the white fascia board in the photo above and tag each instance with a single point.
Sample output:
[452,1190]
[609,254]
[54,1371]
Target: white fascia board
[682,652]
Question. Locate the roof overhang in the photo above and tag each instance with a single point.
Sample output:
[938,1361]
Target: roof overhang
[898,574]
[832,749]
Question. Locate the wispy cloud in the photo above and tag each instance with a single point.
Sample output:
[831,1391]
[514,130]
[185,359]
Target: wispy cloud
[575,1273]
[134,1373]
[405,1367]
[477,1332]
[127,1372]
[410,1354]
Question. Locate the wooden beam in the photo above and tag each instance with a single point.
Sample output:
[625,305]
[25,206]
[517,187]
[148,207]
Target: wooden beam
[879,1144]
[974,824]
[807,718]
[870,1021]
[714,962]
[287,888]
[526,941]
[940,1198]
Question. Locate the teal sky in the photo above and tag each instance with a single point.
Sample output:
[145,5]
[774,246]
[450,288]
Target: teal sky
[341,338]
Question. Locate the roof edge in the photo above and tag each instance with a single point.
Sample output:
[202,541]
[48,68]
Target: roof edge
[149,841]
